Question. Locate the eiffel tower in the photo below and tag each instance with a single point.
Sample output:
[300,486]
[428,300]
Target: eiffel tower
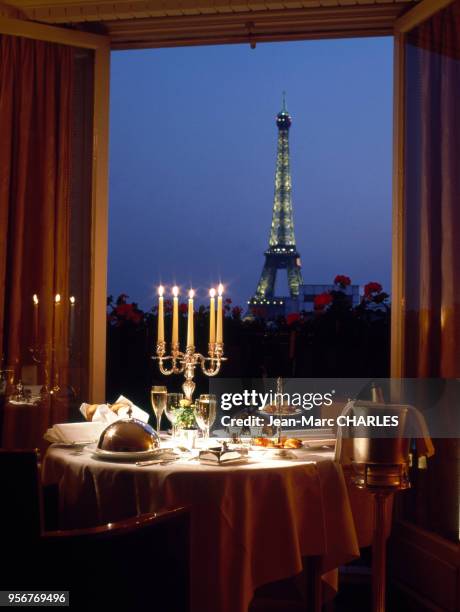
[282,252]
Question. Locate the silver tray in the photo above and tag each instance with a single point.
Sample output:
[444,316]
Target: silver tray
[288,412]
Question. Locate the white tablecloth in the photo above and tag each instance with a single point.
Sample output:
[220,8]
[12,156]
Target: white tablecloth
[251,524]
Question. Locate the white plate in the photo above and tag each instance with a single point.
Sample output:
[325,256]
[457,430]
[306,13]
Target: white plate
[326,443]
[129,456]
[73,444]
[275,453]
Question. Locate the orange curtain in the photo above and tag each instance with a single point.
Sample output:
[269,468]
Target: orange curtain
[432,247]
[432,198]
[35,154]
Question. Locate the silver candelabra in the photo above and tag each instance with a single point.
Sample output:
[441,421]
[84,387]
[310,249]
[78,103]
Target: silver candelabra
[185,363]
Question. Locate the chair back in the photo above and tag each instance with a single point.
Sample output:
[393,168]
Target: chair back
[20,494]
[138,564]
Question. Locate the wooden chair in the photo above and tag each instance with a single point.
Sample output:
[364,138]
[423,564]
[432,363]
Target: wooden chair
[141,563]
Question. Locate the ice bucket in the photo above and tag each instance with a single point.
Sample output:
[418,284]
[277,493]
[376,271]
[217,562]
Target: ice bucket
[380,454]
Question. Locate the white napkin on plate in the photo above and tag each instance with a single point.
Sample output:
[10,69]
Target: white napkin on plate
[74,433]
[104,414]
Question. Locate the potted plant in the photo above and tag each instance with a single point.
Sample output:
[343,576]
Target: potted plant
[185,422]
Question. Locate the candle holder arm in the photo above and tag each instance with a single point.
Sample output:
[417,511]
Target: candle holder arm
[215,362]
[176,357]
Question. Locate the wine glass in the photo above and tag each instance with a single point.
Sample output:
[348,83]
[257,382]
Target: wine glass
[206,414]
[158,396]
[172,403]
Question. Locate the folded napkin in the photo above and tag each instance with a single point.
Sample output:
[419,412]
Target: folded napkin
[108,413]
[415,424]
[74,433]
[422,436]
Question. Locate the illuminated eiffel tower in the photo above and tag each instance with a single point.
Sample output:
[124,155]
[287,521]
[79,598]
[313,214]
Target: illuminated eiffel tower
[282,252]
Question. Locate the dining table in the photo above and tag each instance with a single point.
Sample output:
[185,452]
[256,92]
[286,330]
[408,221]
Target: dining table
[251,523]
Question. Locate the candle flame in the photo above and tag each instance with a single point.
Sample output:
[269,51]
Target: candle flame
[161,290]
[175,291]
[57,298]
[220,289]
[212,292]
[191,294]
[35,299]
[72,299]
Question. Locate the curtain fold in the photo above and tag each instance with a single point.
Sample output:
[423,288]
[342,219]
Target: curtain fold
[432,246]
[36,80]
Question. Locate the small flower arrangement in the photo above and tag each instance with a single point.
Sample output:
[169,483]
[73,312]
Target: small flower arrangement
[185,415]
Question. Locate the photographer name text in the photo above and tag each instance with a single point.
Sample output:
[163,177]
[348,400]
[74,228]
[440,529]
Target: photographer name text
[311,421]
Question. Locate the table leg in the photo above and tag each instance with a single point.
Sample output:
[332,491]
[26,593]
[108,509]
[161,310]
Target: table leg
[314,584]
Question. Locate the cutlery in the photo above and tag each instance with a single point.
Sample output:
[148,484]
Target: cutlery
[164,461]
[156,462]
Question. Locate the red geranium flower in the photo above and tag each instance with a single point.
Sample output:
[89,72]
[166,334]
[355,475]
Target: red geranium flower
[322,300]
[371,288]
[123,309]
[183,308]
[135,316]
[342,280]
[292,317]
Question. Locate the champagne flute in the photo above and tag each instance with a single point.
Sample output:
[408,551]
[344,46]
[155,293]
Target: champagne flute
[158,396]
[206,414]
[172,403]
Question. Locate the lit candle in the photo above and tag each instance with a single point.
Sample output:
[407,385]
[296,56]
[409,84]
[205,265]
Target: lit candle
[219,331]
[175,321]
[190,334]
[56,331]
[161,320]
[212,316]
[35,302]
[72,320]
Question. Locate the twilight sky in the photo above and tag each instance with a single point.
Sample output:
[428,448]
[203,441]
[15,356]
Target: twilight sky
[192,160]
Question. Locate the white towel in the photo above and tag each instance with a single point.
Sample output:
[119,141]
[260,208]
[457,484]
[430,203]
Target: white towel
[74,433]
[418,427]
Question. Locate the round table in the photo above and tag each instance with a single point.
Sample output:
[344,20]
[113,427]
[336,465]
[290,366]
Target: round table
[251,524]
